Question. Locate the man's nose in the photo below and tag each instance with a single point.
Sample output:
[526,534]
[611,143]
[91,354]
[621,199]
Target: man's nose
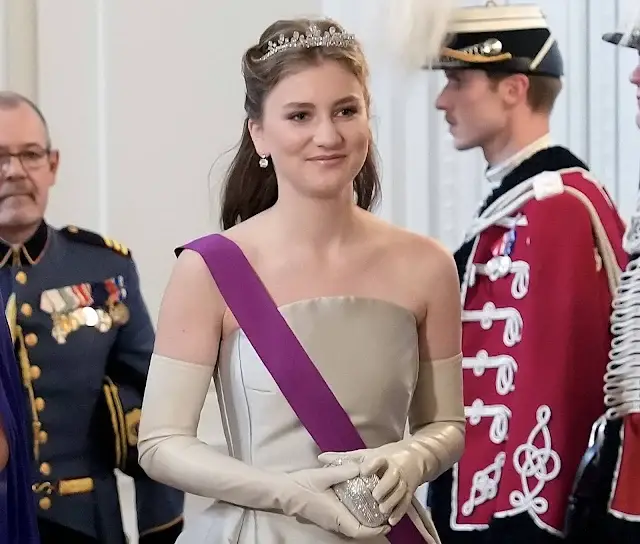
[11,167]
[635,75]
[441,101]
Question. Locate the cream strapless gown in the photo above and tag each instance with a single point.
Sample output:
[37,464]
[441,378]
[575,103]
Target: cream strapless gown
[367,351]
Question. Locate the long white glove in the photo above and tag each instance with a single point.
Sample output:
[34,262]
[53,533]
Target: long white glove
[436,443]
[170,453]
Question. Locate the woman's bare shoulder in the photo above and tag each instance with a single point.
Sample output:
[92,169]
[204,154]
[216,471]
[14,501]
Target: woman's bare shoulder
[251,236]
[424,253]
[190,267]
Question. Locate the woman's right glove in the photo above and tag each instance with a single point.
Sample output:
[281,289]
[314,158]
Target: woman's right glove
[171,453]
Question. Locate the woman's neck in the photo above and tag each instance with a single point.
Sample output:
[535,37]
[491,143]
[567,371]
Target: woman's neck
[317,224]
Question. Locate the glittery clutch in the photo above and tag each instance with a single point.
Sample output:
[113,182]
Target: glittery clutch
[356,495]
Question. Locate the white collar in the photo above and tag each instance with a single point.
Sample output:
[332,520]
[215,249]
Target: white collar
[497,173]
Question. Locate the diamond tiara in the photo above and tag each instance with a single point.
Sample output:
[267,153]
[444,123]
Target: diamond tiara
[312,38]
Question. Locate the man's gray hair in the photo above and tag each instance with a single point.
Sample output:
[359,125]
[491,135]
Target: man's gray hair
[10,100]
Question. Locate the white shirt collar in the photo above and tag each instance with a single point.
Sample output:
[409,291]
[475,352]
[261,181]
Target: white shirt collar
[497,173]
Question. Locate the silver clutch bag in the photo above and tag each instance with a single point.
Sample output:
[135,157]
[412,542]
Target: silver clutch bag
[356,495]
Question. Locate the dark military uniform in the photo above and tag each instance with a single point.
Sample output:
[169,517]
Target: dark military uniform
[83,341]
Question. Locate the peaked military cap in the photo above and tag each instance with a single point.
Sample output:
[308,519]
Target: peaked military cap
[508,39]
[628,35]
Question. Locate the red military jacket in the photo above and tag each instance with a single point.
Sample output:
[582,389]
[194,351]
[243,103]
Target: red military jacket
[536,336]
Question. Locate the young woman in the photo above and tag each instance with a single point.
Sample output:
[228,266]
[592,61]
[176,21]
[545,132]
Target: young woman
[375,308]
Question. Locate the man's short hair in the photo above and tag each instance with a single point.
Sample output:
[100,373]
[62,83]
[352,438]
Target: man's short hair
[10,100]
[542,93]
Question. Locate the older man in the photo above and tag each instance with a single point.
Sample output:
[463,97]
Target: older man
[83,340]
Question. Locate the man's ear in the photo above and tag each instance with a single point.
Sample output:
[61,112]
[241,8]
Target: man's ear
[54,161]
[256,133]
[515,89]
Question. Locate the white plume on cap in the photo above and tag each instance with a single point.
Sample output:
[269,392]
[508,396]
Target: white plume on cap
[632,25]
[417,29]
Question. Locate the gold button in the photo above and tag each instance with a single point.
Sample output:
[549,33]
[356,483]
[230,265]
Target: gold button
[73,229]
[43,437]
[31,339]
[35,372]
[21,277]
[45,469]
[26,309]
[39,402]
[45,503]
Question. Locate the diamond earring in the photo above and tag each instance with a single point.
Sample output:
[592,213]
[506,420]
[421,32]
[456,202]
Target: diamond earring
[264,162]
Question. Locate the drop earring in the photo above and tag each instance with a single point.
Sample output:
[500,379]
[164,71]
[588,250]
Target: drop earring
[264,162]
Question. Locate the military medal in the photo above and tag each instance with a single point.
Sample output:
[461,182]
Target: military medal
[500,265]
[82,294]
[119,313]
[59,331]
[90,316]
[120,284]
[504,246]
[69,298]
[75,320]
[104,320]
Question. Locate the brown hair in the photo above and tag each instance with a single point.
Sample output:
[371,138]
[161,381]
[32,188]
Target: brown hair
[249,189]
[542,93]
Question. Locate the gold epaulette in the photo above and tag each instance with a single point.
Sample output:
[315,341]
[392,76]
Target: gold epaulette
[92,238]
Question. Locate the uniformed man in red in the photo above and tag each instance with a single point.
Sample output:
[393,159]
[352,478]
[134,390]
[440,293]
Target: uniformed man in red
[538,268]
[605,504]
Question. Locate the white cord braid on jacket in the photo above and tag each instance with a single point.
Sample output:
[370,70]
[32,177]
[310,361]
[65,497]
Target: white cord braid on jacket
[622,380]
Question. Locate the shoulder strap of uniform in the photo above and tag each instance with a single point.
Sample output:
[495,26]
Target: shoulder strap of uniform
[83,236]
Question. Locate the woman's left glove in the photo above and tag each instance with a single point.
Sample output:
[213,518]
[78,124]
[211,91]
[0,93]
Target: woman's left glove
[436,420]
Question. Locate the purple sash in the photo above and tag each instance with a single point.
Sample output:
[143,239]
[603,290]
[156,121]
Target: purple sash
[286,360]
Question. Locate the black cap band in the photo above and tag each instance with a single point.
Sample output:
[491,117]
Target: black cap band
[505,39]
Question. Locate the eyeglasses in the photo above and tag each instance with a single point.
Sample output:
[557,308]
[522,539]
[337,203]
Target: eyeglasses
[30,159]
